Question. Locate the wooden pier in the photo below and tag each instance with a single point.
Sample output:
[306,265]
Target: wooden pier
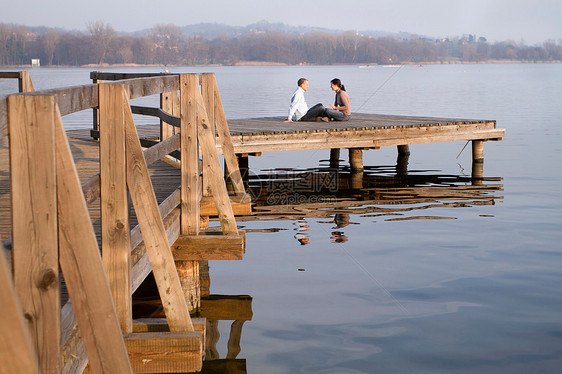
[65,202]
[141,196]
[362,132]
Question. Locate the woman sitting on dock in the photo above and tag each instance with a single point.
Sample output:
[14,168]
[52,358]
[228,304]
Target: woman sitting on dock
[341,109]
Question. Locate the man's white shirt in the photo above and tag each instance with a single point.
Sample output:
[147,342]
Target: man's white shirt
[298,107]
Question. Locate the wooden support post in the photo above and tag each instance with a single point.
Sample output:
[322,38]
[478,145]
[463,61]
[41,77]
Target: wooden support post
[334,158]
[403,149]
[189,159]
[229,185]
[152,228]
[478,151]
[83,269]
[204,278]
[218,186]
[115,240]
[94,133]
[16,348]
[477,162]
[25,83]
[244,166]
[190,217]
[230,159]
[34,221]
[207,91]
[356,158]
[204,222]
[188,272]
[169,103]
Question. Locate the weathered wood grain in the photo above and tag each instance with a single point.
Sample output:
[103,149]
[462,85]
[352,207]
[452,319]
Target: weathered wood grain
[216,181]
[225,140]
[218,307]
[83,269]
[34,221]
[169,103]
[165,352]
[115,239]
[241,205]
[190,160]
[209,247]
[17,353]
[152,227]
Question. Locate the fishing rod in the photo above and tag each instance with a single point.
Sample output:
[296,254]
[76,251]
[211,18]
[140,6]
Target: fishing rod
[468,141]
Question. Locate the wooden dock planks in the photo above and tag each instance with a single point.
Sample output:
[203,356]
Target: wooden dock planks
[362,131]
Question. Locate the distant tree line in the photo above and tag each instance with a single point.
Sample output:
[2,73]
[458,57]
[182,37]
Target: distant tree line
[167,45]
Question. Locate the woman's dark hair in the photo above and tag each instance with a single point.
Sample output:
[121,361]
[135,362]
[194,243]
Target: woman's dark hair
[336,82]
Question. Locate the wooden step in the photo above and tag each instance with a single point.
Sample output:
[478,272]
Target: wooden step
[241,205]
[209,246]
[165,352]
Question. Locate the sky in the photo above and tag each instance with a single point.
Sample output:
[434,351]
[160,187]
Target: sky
[532,22]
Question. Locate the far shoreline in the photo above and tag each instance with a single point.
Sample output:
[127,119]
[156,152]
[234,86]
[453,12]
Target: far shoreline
[268,63]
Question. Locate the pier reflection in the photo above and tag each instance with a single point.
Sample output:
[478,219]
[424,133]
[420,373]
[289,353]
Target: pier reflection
[335,193]
[233,309]
[338,197]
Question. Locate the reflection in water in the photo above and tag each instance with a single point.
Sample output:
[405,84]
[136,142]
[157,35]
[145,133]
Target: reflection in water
[334,196]
[341,220]
[323,192]
[392,193]
[302,231]
[233,309]
[338,237]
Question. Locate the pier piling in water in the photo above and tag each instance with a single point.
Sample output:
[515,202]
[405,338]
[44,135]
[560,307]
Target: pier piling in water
[356,159]
[334,158]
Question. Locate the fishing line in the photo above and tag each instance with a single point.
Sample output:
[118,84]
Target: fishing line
[383,83]
[387,292]
[371,276]
[379,88]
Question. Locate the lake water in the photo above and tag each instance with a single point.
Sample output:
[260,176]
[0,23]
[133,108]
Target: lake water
[454,285]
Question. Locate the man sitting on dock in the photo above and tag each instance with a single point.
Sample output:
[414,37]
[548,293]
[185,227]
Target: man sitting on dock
[298,108]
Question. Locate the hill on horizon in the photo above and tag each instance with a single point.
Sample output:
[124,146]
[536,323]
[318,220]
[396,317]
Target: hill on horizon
[211,31]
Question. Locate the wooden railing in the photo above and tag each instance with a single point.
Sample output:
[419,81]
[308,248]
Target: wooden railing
[24,81]
[51,225]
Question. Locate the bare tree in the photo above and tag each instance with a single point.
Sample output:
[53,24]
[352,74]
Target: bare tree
[49,42]
[168,39]
[101,35]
